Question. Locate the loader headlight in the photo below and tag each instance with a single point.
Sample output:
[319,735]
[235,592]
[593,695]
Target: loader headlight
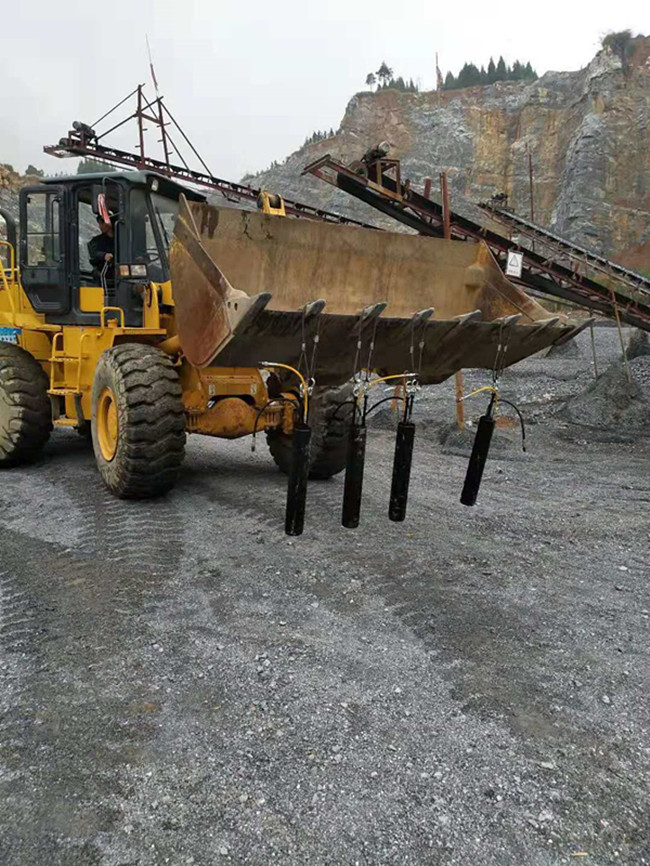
[133,270]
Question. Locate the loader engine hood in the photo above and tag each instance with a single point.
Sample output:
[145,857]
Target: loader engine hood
[241,281]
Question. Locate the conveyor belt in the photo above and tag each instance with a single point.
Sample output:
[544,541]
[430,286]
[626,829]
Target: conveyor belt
[579,256]
[76,144]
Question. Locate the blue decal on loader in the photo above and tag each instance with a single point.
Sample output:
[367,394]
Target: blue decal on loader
[9,335]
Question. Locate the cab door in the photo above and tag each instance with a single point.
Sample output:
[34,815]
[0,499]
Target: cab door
[43,250]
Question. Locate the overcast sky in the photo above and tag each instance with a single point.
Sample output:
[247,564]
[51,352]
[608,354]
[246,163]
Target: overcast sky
[249,80]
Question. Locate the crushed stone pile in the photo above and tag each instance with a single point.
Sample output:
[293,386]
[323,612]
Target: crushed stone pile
[567,350]
[612,402]
[638,345]
[460,442]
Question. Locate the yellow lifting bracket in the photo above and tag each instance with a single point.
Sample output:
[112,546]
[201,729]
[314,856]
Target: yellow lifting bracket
[271,203]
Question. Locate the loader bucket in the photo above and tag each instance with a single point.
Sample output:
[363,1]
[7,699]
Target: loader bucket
[241,281]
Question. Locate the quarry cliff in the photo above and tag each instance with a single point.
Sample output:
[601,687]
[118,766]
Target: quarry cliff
[588,132]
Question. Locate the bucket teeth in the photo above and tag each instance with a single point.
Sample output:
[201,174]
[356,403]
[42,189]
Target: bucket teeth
[367,314]
[313,308]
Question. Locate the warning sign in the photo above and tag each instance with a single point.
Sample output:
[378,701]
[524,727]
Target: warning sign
[514,264]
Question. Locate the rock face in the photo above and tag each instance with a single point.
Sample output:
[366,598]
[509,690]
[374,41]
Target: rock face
[588,132]
[10,183]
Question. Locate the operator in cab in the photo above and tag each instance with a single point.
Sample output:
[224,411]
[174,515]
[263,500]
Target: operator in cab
[101,248]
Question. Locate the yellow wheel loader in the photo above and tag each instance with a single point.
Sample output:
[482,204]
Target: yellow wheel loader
[227,323]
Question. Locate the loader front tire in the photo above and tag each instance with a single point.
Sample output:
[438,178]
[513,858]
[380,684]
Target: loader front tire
[25,410]
[328,420]
[138,422]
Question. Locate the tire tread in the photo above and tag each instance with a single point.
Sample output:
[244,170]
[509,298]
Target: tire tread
[28,424]
[152,421]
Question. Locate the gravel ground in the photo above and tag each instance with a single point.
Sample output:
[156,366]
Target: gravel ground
[183,684]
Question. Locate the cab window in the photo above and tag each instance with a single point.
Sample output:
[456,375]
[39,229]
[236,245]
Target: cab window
[88,229]
[43,229]
[153,217]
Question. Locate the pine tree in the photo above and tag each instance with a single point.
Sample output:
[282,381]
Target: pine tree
[491,72]
[370,79]
[469,76]
[529,73]
[89,166]
[384,73]
[450,82]
[501,70]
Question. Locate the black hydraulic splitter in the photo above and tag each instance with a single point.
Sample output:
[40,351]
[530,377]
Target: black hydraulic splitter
[294,520]
[482,442]
[404,440]
[356,451]
[354,466]
[487,422]
[479,455]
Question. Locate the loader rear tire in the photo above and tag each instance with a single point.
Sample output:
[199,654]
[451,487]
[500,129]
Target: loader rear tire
[328,420]
[25,410]
[138,422]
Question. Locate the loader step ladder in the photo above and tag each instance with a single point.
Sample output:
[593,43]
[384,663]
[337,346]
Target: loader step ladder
[58,388]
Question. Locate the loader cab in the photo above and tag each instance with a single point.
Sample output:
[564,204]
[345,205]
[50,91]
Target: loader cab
[58,218]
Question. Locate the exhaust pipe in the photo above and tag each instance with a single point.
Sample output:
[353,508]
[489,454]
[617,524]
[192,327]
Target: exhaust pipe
[297,485]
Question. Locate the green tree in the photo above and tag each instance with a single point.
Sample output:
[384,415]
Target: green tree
[469,76]
[491,72]
[384,73]
[450,82]
[529,73]
[89,166]
[620,44]
[370,79]
[501,70]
